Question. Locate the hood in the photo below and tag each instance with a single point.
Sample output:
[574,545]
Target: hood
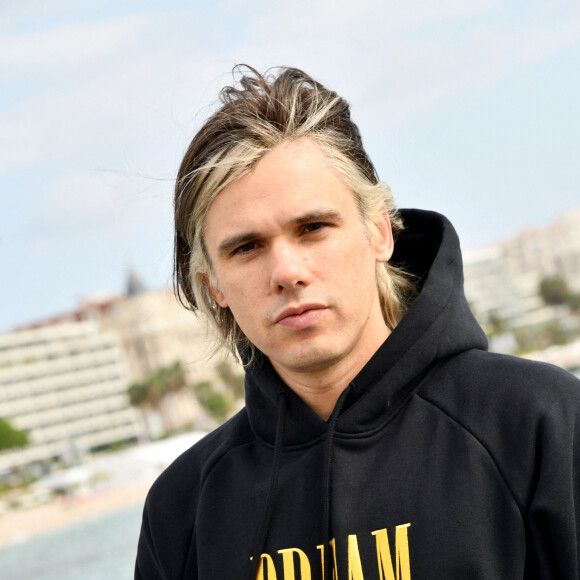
[437,326]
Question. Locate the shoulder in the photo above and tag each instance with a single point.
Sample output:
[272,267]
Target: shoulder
[477,380]
[182,479]
[168,527]
[518,411]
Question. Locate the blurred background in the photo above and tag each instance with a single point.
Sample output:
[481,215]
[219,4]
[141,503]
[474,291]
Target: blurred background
[466,108]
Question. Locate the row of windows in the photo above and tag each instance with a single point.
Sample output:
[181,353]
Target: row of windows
[63,382]
[61,374]
[52,399]
[16,354]
[100,408]
[65,433]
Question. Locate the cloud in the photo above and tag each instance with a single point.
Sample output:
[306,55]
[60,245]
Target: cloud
[394,61]
[96,203]
[99,112]
[69,45]
[146,96]
[387,72]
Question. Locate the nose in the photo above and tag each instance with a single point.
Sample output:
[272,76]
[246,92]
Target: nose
[288,269]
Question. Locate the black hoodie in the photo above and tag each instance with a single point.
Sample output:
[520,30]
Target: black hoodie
[440,461]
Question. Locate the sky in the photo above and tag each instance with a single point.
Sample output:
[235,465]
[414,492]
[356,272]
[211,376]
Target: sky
[466,108]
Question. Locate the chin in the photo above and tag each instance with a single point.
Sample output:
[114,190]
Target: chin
[309,359]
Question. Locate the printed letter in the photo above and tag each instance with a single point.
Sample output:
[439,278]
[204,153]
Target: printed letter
[354,564]
[335,569]
[271,571]
[288,560]
[384,559]
[321,548]
[402,549]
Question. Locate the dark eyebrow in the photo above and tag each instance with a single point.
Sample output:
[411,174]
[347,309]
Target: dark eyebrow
[229,244]
[320,215]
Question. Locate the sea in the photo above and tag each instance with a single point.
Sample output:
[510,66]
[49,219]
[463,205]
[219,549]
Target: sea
[101,548]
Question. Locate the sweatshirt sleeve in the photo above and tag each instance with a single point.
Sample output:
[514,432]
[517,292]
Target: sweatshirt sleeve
[527,416]
[147,566]
[166,547]
[553,515]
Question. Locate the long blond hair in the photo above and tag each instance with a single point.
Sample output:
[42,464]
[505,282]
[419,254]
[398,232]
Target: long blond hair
[256,116]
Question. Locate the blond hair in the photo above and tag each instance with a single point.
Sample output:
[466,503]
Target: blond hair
[265,110]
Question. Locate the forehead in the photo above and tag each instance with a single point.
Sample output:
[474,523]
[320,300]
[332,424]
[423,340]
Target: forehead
[292,179]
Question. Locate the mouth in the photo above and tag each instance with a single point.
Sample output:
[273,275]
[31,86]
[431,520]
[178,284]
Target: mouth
[300,317]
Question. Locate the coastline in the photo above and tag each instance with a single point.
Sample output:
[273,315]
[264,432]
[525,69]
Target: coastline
[129,475]
[17,526]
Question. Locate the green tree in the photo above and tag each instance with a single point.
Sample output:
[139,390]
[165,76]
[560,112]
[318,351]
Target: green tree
[149,395]
[138,394]
[496,324]
[234,381]
[11,437]
[171,378]
[156,385]
[574,302]
[216,403]
[554,290]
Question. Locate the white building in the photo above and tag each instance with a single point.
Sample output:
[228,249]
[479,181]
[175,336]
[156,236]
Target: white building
[66,385]
[503,279]
[490,286]
[550,250]
[156,331]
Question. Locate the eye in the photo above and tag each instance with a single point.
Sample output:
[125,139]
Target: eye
[245,248]
[314,227]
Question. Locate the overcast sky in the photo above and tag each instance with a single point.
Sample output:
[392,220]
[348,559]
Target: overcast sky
[470,108]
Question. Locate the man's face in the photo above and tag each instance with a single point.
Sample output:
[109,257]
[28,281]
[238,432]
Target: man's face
[295,263]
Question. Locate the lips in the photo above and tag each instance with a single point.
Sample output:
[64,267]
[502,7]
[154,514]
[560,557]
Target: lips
[300,317]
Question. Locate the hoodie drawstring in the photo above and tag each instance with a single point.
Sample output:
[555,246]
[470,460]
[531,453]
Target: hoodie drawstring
[326,526]
[263,530]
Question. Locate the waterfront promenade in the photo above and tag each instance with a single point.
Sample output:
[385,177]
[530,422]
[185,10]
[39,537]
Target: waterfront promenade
[124,478]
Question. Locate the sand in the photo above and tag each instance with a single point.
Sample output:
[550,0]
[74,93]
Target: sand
[19,525]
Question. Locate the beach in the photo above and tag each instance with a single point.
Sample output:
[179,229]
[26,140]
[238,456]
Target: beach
[105,484]
[19,525]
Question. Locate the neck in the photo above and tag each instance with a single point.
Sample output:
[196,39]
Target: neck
[321,389]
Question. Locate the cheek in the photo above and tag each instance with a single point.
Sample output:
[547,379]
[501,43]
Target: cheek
[358,259]
[361,284]
[242,298]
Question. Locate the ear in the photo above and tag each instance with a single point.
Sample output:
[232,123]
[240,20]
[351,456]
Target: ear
[216,293]
[383,245]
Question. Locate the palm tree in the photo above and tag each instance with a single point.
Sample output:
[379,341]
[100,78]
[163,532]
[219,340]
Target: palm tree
[149,395]
[11,437]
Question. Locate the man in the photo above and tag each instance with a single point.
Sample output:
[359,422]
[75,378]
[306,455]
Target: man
[380,439]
